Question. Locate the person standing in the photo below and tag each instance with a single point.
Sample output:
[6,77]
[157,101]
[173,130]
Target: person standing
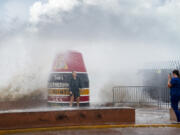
[174,85]
[74,88]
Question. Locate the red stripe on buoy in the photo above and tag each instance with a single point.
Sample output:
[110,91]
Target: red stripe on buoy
[66,98]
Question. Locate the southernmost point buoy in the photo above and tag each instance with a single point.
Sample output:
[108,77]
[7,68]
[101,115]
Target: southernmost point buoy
[58,84]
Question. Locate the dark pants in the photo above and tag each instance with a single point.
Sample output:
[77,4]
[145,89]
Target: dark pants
[175,98]
[76,93]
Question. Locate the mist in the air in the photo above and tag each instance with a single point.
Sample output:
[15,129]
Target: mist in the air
[116,38]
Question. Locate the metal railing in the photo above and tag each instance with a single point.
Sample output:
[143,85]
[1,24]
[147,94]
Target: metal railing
[142,96]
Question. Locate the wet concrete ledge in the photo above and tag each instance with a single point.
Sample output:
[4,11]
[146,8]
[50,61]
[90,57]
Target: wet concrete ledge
[67,117]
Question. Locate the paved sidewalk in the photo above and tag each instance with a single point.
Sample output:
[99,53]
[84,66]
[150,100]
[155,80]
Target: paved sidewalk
[113,131]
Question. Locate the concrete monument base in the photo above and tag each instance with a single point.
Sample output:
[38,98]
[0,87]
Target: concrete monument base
[67,117]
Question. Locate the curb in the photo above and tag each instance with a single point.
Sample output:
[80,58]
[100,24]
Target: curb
[4,132]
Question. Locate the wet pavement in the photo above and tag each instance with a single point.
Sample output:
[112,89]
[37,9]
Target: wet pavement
[113,131]
[143,116]
[152,116]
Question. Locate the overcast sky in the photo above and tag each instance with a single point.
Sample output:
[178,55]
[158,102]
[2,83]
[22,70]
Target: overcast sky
[155,21]
[141,29]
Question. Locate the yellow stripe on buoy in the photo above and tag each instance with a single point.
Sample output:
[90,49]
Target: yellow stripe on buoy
[65,91]
[5,132]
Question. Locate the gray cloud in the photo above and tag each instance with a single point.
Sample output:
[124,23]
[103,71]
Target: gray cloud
[147,21]
[153,21]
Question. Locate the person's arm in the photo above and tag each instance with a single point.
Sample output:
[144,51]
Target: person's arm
[169,81]
[80,83]
[70,86]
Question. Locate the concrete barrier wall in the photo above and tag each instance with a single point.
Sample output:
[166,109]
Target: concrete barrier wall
[67,118]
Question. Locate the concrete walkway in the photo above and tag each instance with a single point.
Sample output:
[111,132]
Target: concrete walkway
[112,131]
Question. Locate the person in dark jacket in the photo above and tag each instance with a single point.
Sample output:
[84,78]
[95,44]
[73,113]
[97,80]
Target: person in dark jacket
[74,88]
[174,85]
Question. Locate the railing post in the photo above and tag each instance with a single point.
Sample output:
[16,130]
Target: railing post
[113,96]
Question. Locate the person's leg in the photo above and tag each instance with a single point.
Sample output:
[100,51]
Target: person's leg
[78,97]
[77,101]
[174,105]
[178,112]
[71,100]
